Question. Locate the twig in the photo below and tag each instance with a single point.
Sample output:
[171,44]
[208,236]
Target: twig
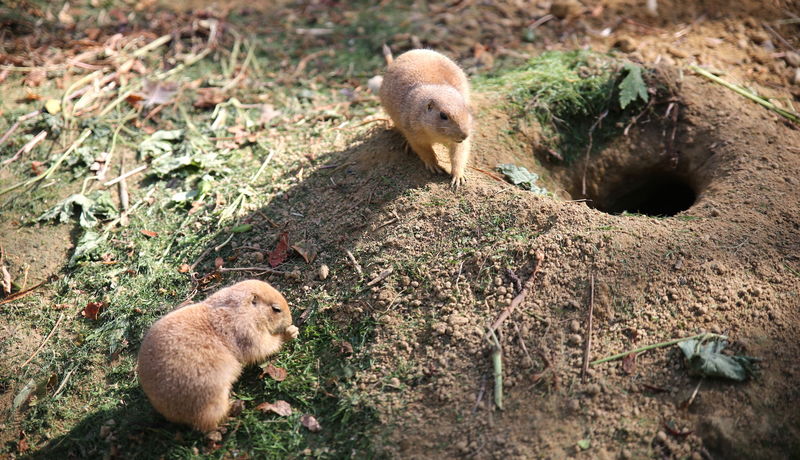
[694,394]
[702,336]
[355,263]
[779,37]
[27,147]
[521,296]
[16,124]
[301,66]
[497,365]
[52,168]
[125,176]
[741,91]
[64,381]
[382,276]
[481,391]
[60,317]
[253,269]
[200,258]
[587,347]
[589,150]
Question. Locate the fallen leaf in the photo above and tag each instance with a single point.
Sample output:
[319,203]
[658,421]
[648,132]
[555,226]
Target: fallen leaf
[278,374]
[5,283]
[310,422]
[281,251]
[209,97]
[706,359]
[306,249]
[158,92]
[584,444]
[30,96]
[134,99]
[64,17]
[149,233]
[22,444]
[92,310]
[183,268]
[218,262]
[280,407]
[629,363]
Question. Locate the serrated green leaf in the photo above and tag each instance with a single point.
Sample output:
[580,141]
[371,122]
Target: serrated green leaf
[706,360]
[521,177]
[632,86]
[93,208]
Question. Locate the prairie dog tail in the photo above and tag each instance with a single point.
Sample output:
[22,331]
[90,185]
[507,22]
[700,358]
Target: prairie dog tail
[387,54]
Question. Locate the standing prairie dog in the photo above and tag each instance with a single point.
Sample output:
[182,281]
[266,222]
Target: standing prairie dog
[427,97]
[190,358]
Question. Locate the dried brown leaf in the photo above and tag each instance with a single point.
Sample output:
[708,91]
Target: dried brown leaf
[310,422]
[281,251]
[183,268]
[278,374]
[218,262]
[149,233]
[307,249]
[279,407]
[345,347]
[5,282]
[92,310]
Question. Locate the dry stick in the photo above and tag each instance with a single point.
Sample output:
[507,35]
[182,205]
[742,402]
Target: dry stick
[588,342]
[694,394]
[522,342]
[520,297]
[355,263]
[497,365]
[380,277]
[16,124]
[702,336]
[125,176]
[741,91]
[55,166]
[253,269]
[60,317]
[301,66]
[27,147]
[589,150]
[21,294]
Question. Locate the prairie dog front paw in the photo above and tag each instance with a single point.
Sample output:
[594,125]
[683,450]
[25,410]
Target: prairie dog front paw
[292,332]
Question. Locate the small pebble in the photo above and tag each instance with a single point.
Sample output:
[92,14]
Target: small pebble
[575,325]
[573,405]
[323,272]
[661,436]
[574,339]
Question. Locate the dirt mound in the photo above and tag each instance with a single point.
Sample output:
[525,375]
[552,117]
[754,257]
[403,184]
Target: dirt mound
[724,263]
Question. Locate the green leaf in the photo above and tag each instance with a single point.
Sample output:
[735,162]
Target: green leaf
[584,444]
[95,207]
[706,360]
[521,177]
[87,245]
[160,143]
[632,86]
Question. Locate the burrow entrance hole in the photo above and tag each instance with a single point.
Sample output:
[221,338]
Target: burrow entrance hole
[639,175]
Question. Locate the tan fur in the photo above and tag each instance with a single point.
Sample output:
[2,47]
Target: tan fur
[190,358]
[420,87]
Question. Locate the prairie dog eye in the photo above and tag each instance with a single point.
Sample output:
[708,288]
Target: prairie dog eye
[443,116]
[254,302]
[276,308]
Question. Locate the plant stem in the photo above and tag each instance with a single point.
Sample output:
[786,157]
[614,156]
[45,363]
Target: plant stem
[737,89]
[497,364]
[702,335]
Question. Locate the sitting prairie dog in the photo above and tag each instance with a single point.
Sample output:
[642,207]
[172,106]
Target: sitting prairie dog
[190,358]
[427,97]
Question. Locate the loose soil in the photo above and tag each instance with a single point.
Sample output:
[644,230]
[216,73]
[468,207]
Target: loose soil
[726,261]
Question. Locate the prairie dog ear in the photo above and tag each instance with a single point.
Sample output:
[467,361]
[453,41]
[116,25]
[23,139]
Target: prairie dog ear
[430,105]
[276,307]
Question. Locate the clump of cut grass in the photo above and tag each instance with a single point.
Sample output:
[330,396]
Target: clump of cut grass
[566,93]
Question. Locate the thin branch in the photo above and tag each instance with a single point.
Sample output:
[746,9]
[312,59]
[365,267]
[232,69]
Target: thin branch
[587,347]
[702,336]
[520,297]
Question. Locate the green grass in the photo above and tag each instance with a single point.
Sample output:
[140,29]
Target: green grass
[566,92]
